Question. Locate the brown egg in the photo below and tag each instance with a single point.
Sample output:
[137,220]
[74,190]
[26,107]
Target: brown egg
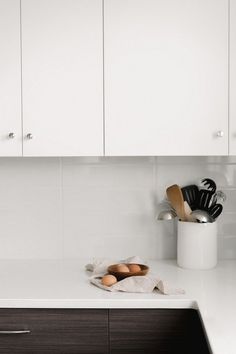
[134,268]
[122,268]
[108,280]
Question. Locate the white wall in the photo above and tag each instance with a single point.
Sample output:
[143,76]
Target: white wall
[90,207]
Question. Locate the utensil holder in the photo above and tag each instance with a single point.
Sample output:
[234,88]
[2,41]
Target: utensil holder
[196,245]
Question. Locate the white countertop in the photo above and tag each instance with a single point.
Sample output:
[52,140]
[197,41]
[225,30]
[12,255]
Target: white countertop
[65,284]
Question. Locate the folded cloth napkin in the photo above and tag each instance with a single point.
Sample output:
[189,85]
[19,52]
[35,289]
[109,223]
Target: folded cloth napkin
[135,284]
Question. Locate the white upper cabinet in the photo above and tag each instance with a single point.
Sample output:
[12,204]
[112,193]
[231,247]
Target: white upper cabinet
[62,70]
[10,76]
[232,100]
[165,72]
[166,77]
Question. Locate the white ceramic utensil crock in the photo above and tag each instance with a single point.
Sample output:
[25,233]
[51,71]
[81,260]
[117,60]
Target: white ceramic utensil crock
[197,245]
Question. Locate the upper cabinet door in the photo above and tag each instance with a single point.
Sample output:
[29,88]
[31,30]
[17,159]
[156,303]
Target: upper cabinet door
[232,100]
[166,77]
[10,79]
[62,70]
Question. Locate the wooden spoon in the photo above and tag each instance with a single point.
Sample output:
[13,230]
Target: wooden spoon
[175,196]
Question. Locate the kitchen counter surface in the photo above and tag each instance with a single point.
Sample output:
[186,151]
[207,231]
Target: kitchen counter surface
[65,284]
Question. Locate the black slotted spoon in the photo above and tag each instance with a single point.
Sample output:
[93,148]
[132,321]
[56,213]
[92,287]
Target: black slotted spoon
[215,210]
[190,195]
[205,200]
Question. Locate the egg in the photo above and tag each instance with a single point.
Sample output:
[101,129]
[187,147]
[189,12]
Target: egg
[122,268]
[134,268]
[108,280]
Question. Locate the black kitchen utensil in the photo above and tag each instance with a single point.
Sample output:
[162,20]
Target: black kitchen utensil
[209,184]
[190,194]
[205,200]
[214,200]
[218,197]
[216,210]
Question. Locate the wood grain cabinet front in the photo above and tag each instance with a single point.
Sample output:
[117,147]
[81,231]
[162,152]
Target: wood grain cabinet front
[99,331]
[53,331]
[156,331]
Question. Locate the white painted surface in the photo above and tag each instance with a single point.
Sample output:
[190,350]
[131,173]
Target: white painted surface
[232,101]
[10,74]
[65,284]
[166,77]
[65,208]
[62,77]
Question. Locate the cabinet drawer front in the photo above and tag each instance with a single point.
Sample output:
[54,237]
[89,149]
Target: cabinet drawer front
[159,331]
[53,331]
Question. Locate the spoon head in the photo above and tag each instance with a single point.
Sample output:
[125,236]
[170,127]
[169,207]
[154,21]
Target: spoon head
[201,216]
[166,215]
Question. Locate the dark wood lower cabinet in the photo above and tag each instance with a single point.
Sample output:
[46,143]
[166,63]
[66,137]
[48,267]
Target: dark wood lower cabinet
[156,331]
[54,331]
[91,331]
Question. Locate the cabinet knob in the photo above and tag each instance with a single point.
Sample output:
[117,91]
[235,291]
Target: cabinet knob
[29,136]
[11,135]
[220,134]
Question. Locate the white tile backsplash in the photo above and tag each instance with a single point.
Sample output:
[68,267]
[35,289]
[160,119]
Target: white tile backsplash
[100,207]
[30,208]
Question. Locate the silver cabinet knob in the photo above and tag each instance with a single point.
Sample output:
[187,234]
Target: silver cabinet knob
[29,136]
[11,135]
[220,134]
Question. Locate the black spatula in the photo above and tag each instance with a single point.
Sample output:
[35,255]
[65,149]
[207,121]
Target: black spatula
[190,195]
[216,210]
[205,199]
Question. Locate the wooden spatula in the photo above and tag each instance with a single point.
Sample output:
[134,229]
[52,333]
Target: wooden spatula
[175,196]
[188,211]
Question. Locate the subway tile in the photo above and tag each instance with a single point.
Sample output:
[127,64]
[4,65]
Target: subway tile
[31,227]
[227,224]
[230,203]
[108,222]
[108,201]
[105,176]
[115,246]
[71,161]
[193,160]
[29,172]
[184,175]
[179,160]
[30,208]
[227,247]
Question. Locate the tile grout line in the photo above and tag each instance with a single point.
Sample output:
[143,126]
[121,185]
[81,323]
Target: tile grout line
[62,207]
